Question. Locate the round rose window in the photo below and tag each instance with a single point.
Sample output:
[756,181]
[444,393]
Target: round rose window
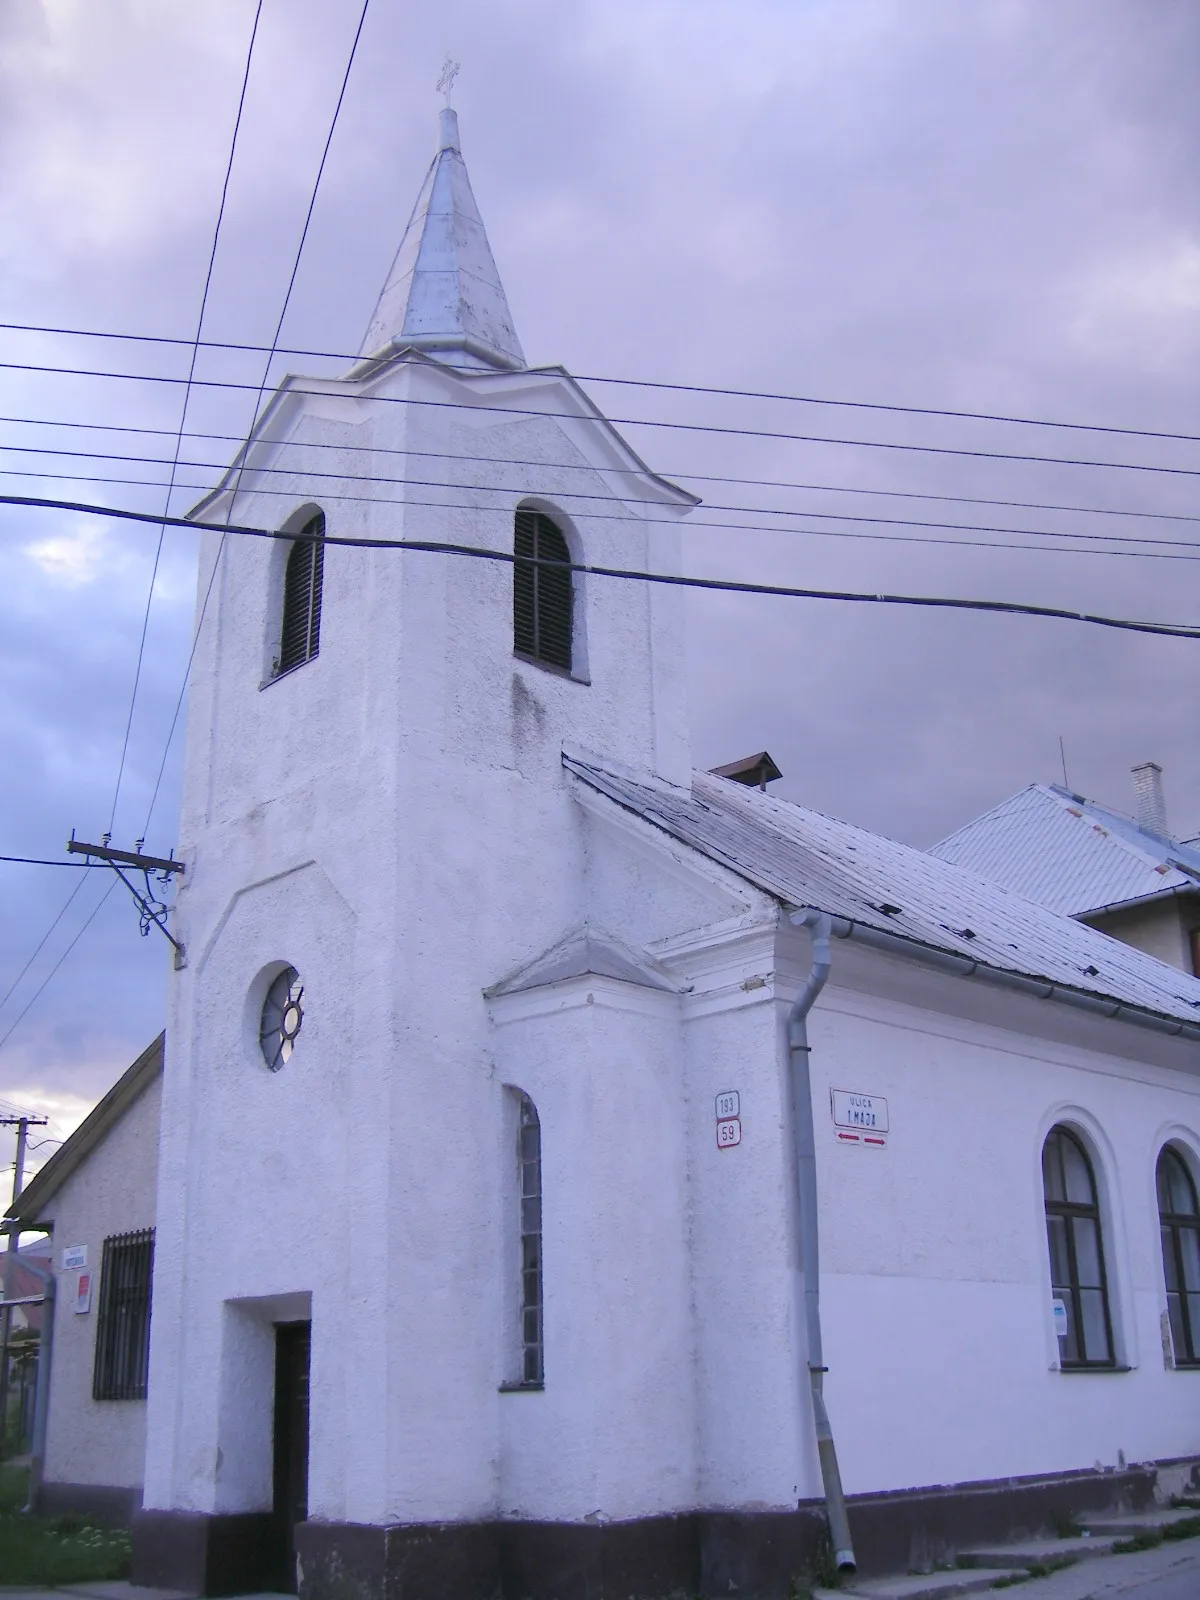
[282,1018]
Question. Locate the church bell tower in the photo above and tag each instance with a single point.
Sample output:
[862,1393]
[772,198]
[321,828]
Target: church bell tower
[377,826]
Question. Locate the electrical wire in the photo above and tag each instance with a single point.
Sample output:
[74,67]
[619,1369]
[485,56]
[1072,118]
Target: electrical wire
[606,516]
[589,467]
[91,917]
[8,993]
[639,422]
[722,585]
[43,861]
[652,383]
[312,201]
[187,394]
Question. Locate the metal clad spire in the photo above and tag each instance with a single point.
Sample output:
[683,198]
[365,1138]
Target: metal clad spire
[443,292]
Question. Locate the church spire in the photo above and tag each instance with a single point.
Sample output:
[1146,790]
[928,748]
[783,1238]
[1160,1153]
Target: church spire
[443,292]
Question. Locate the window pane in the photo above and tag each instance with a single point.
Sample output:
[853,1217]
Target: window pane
[1087,1252]
[1068,1343]
[1052,1169]
[530,1142]
[1060,1275]
[1183,1195]
[533,1365]
[1192,1307]
[531,1216]
[1177,1310]
[1164,1183]
[1168,1250]
[1080,1191]
[1189,1250]
[531,1253]
[1095,1325]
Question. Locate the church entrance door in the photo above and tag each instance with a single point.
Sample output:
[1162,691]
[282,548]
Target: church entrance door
[293,1341]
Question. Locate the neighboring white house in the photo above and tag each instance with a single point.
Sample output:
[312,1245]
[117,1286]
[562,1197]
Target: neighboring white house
[480,975]
[96,1195]
[1125,875]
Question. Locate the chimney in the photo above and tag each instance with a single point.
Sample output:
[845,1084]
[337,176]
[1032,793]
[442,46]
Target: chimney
[1151,806]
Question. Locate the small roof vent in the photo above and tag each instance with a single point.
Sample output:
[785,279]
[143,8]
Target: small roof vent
[756,772]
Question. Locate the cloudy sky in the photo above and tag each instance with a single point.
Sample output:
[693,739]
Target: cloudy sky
[985,207]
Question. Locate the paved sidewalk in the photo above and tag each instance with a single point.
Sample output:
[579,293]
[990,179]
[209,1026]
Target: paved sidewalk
[1170,1571]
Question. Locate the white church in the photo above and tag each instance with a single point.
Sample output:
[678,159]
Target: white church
[582,1177]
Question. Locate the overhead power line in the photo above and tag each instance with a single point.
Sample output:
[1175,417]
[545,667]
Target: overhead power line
[588,467]
[15,984]
[722,585]
[637,422]
[648,383]
[187,394]
[312,474]
[308,216]
[1083,544]
[33,999]
[46,861]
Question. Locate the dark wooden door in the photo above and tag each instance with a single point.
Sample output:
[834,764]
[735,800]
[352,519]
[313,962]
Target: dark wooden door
[293,1341]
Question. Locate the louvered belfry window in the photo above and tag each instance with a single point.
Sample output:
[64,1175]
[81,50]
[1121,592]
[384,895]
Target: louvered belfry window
[542,593]
[301,631]
[123,1324]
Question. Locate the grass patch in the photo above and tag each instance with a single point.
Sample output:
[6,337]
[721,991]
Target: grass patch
[1148,1540]
[1186,1528]
[40,1550]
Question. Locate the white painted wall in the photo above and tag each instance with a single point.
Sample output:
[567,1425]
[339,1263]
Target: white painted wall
[393,819]
[113,1191]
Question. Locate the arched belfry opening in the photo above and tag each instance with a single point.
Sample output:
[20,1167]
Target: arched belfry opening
[300,630]
[543,591]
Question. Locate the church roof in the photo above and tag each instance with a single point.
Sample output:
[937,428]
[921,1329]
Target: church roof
[443,291]
[1069,853]
[808,860]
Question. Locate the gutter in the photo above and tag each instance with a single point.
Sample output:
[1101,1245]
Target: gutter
[1177,891]
[819,924]
[1039,988]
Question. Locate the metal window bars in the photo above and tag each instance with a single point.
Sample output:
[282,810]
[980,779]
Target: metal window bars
[123,1323]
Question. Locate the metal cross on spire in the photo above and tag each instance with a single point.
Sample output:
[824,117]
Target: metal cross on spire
[450,71]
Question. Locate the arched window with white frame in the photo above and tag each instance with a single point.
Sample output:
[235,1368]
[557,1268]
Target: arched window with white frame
[1078,1276]
[1179,1227]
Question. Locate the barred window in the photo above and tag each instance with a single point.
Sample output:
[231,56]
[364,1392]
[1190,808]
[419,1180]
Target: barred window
[1077,1269]
[123,1323]
[1179,1221]
[543,593]
[529,1170]
[300,634]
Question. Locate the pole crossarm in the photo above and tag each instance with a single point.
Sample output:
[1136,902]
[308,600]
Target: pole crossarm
[154,912]
[128,858]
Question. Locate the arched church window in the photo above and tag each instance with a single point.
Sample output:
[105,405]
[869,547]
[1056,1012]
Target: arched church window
[1077,1272]
[1179,1221]
[300,633]
[543,593]
[529,1171]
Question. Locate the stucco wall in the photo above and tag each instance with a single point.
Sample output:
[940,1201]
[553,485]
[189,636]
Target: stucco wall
[393,819]
[1161,929]
[88,1441]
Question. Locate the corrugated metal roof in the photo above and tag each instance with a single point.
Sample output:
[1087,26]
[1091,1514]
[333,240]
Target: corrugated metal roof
[1068,853]
[807,859]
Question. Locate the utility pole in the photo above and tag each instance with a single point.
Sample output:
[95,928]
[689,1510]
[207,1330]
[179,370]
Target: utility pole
[22,1125]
